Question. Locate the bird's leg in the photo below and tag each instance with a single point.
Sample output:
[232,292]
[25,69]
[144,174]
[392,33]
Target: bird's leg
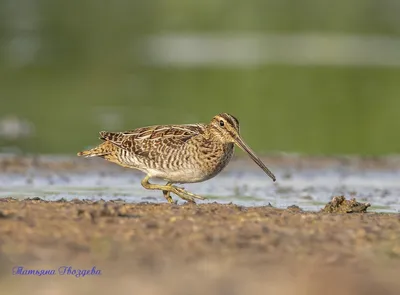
[167,193]
[169,188]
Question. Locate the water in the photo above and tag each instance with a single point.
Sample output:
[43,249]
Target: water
[245,185]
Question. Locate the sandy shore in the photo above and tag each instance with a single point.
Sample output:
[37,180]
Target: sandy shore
[210,248]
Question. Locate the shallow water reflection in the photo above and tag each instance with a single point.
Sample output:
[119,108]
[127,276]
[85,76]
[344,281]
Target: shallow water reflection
[310,189]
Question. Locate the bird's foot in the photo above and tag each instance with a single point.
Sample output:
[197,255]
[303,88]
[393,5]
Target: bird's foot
[188,196]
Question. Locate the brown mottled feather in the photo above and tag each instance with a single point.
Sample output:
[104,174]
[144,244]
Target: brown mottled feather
[142,140]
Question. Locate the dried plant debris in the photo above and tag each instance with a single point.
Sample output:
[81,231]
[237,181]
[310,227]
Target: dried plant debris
[339,204]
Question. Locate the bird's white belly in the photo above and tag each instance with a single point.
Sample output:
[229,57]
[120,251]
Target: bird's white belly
[180,176]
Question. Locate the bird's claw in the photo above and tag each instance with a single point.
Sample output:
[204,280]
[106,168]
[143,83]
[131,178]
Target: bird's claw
[187,195]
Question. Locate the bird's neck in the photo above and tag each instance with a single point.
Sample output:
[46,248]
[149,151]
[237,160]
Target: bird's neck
[213,134]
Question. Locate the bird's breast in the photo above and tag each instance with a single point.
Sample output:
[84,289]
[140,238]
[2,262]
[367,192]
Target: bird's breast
[210,159]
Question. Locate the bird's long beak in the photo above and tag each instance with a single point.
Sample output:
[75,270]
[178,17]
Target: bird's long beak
[247,149]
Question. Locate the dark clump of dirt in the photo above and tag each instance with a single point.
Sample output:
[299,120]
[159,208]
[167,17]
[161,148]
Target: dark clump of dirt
[339,204]
[294,208]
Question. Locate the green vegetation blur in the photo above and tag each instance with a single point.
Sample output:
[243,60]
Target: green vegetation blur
[69,69]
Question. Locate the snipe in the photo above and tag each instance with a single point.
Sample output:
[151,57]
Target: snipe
[177,153]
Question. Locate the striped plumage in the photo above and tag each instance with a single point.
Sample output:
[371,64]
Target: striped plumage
[177,153]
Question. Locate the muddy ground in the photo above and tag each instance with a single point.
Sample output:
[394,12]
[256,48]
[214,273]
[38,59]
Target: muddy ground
[209,248]
[195,249]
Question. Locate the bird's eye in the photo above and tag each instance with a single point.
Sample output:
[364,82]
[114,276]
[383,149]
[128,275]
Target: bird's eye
[221,123]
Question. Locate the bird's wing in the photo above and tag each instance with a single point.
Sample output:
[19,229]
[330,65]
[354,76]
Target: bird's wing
[144,141]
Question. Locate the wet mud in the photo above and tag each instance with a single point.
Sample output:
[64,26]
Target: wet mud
[205,248]
[230,248]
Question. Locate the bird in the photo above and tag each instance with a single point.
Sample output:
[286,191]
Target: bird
[179,154]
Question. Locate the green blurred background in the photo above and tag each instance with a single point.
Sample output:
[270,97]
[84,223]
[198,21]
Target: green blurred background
[311,76]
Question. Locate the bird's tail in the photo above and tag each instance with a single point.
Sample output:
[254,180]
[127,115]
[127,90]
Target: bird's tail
[100,151]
